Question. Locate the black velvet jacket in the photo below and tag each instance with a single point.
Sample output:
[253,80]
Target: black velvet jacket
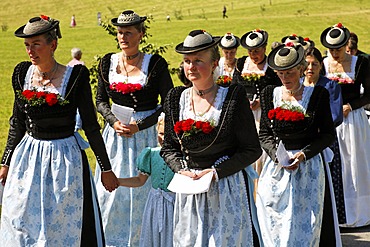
[252,88]
[158,83]
[57,121]
[311,136]
[351,92]
[235,136]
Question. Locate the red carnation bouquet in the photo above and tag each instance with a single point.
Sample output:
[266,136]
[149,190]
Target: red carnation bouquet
[287,112]
[190,126]
[38,98]
[224,80]
[124,88]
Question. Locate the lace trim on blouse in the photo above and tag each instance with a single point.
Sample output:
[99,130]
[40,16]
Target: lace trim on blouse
[349,74]
[306,95]
[115,77]
[61,90]
[214,112]
[246,66]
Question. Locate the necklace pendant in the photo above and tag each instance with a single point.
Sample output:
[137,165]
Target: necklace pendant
[200,93]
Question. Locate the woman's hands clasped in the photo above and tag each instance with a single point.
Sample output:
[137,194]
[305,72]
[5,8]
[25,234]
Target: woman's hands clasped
[109,181]
[196,175]
[126,130]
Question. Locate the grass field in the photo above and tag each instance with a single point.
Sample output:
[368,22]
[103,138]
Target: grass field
[307,18]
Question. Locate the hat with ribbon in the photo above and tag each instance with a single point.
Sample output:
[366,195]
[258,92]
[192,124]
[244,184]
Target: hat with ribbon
[294,38]
[254,39]
[128,18]
[37,26]
[197,40]
[285,56]
[229,41]
[307,43]
[335,37]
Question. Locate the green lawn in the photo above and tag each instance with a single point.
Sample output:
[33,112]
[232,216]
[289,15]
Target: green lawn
[307,18]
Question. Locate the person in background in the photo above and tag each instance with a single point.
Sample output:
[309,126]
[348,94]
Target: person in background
[293,190]
[351,72]
[76,54]
[313,78]
[49,198]
[133,79]
[157,225]
[352,45]
[73,21]
[209,130]
[226,65]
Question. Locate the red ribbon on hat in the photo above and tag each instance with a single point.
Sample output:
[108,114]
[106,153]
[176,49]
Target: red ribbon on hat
[289,44]
[45,17]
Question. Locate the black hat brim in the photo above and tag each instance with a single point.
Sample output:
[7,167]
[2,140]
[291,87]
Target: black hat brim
[263,43]
[19,32]
[115,23]
[180,48]
[331,46]
[237,44]
[272,54]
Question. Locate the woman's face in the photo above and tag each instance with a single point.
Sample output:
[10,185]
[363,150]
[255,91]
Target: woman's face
[229,54]
[257,55]
[338,54]
[199,66]
[129,37]
[38,50]
[290,77]
[313,68]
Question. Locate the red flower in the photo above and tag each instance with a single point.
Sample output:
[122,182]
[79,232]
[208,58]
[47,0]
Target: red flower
[207,127]
[190,126]
[40,94]
[45,17]
[223,80]
[187,124]
[340,25]
[124,88]
[293,114]
[51,99]
[28,94]
[289,44]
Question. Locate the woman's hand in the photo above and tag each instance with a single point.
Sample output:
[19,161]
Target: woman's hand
[295,161]
[346,110]
[196,176]
[109,181]
[3,174]
[126,130]
[255,104]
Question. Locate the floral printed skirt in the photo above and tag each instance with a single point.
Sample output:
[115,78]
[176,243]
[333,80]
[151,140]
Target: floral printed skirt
[290,203]
[44,196]
[219,217]
[122,209]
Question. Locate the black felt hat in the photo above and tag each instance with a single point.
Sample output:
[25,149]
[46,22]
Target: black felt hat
[335,37]
[128,18]
[37,26]
[229,41]
[197,40]
[285,56]
[254,39]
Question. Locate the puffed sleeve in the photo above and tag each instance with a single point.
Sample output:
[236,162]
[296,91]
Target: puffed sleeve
[90,123]
[144,161]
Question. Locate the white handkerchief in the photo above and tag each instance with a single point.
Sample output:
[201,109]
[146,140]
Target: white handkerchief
[122,113]
[186,185]
[282,155]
